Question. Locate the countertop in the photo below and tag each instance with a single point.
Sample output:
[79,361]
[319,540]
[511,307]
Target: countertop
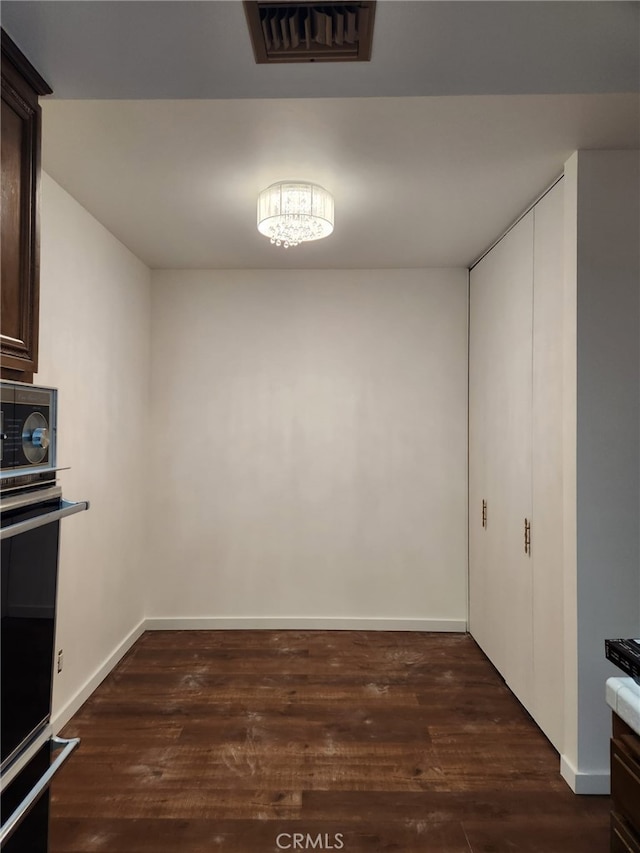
[623,697]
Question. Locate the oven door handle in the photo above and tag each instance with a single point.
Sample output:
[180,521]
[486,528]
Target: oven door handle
[66,508]
[14,820]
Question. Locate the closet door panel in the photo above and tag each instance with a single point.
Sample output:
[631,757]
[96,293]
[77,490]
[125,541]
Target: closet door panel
[485,295]
[547,541]
[513,376]
[500,456]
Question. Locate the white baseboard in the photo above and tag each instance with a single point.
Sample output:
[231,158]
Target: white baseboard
[580,783]
[594,783]
[303,623]
[62,717]
[213,623]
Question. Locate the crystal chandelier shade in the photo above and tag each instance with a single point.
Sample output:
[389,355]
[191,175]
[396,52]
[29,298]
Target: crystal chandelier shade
[292,212]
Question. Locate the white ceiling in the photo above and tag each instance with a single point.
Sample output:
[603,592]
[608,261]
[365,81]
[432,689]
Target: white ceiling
[417,181]
[466,112]
[201,49]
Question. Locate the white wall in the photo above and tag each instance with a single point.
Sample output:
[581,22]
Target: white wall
[95,347]
[304,444]
[309,438]
[602,445]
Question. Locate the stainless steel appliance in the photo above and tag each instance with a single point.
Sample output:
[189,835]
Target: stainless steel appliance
[31,508]
[27,435]
[25,796]
[626,656]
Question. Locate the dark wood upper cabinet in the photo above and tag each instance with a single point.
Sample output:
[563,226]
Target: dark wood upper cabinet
[20,159]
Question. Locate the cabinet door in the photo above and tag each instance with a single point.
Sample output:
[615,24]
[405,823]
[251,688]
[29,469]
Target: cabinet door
[500,575]
[20,160]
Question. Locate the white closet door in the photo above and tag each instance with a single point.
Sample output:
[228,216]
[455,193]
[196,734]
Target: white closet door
[500,455]
[547,465]
[485,297]
[513,374]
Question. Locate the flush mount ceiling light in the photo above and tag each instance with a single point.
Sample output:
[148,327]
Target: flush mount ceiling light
[292,212]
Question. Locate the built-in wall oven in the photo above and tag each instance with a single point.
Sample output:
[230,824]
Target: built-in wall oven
[31,509]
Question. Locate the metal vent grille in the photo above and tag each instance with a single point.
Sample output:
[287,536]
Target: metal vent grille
[310,32]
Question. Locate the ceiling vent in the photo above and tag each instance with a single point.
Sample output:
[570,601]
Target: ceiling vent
[310,32]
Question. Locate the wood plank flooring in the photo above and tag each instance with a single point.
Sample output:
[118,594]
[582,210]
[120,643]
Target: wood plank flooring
[234,741]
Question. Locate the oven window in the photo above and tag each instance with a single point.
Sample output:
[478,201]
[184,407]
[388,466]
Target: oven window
[29,576]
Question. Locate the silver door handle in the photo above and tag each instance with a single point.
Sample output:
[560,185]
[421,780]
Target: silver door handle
[14,820]
[66,508]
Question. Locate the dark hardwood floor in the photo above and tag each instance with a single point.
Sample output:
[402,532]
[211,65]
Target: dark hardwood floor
[234,741]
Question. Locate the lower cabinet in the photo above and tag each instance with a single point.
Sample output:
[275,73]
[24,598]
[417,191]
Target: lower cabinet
[625,788]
